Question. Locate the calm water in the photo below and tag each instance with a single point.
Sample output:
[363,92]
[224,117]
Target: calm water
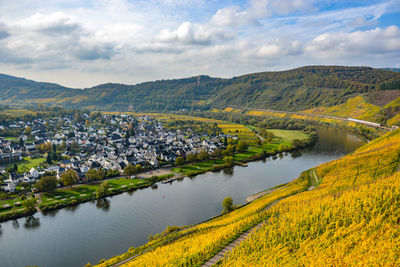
[96,230]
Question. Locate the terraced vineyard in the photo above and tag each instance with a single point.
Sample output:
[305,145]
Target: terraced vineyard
[337,223]
[350,219]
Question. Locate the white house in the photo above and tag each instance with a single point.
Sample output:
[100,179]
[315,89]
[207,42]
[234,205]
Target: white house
[34,173]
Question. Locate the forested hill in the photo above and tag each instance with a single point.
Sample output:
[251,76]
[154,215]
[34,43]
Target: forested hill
[297,89]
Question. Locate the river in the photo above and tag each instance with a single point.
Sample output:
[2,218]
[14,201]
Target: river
[95,230]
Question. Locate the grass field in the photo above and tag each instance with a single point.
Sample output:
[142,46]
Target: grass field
[27,163]
[86,191]
[289,135]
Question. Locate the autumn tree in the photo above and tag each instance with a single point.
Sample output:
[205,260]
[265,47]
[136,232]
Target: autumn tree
[242,146]
[46,184]
[203,155]
[130,169]
[179,161]
[30,204]
[94,175]
[102,190]
[69,177]
[227,204]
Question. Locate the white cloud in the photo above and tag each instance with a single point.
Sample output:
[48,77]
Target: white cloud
[133,41]
[54,23]
[196,34]
[375,41]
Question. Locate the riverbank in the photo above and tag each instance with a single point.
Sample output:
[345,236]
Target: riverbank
[77,194]
[278,145]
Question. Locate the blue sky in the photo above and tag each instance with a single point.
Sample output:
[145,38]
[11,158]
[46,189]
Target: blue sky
[84,43]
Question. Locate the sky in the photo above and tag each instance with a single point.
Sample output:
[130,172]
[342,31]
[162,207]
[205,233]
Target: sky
[85,43]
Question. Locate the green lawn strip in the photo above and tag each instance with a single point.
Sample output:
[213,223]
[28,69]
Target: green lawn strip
[86,191]
[289,135]
[11,210]
[11,202]
[10,138]
[28,163]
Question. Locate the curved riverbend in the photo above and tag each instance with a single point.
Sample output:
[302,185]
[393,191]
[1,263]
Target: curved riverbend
[100,229]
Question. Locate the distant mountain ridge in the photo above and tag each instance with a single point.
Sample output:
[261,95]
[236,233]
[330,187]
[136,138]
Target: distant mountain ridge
[392,69]
[297,89]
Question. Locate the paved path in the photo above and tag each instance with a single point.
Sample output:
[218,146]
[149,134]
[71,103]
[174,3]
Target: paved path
[314,180]
[220,255]
[261,194]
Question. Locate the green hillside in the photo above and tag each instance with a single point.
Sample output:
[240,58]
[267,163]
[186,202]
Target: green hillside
[298,89]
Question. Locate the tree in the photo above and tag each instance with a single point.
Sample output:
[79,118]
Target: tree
[191,157]
[69,177]
[216,153]
[28,130]
[228,160]
[21,141]
[48,158]
[296,143]
[270,136]
[102,190]
[179,161]
[63,146]
[263,133]
[230,150]
[139,168]
[94,175]
[225,141]
[53,155]
[46,184]
[242,146]
[130,169]
[15,167]
[227,204]
[203,155]
[30,204]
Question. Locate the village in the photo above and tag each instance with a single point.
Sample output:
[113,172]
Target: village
[109,142]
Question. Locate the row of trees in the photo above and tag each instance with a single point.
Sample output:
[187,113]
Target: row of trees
[70,177]
[230,150]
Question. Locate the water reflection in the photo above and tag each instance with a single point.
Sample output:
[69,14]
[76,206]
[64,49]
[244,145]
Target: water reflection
[154,186]
[72,208]
[103,204]
[31,222]
[51,213]
[229,171]
[295,154]
[15,224]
